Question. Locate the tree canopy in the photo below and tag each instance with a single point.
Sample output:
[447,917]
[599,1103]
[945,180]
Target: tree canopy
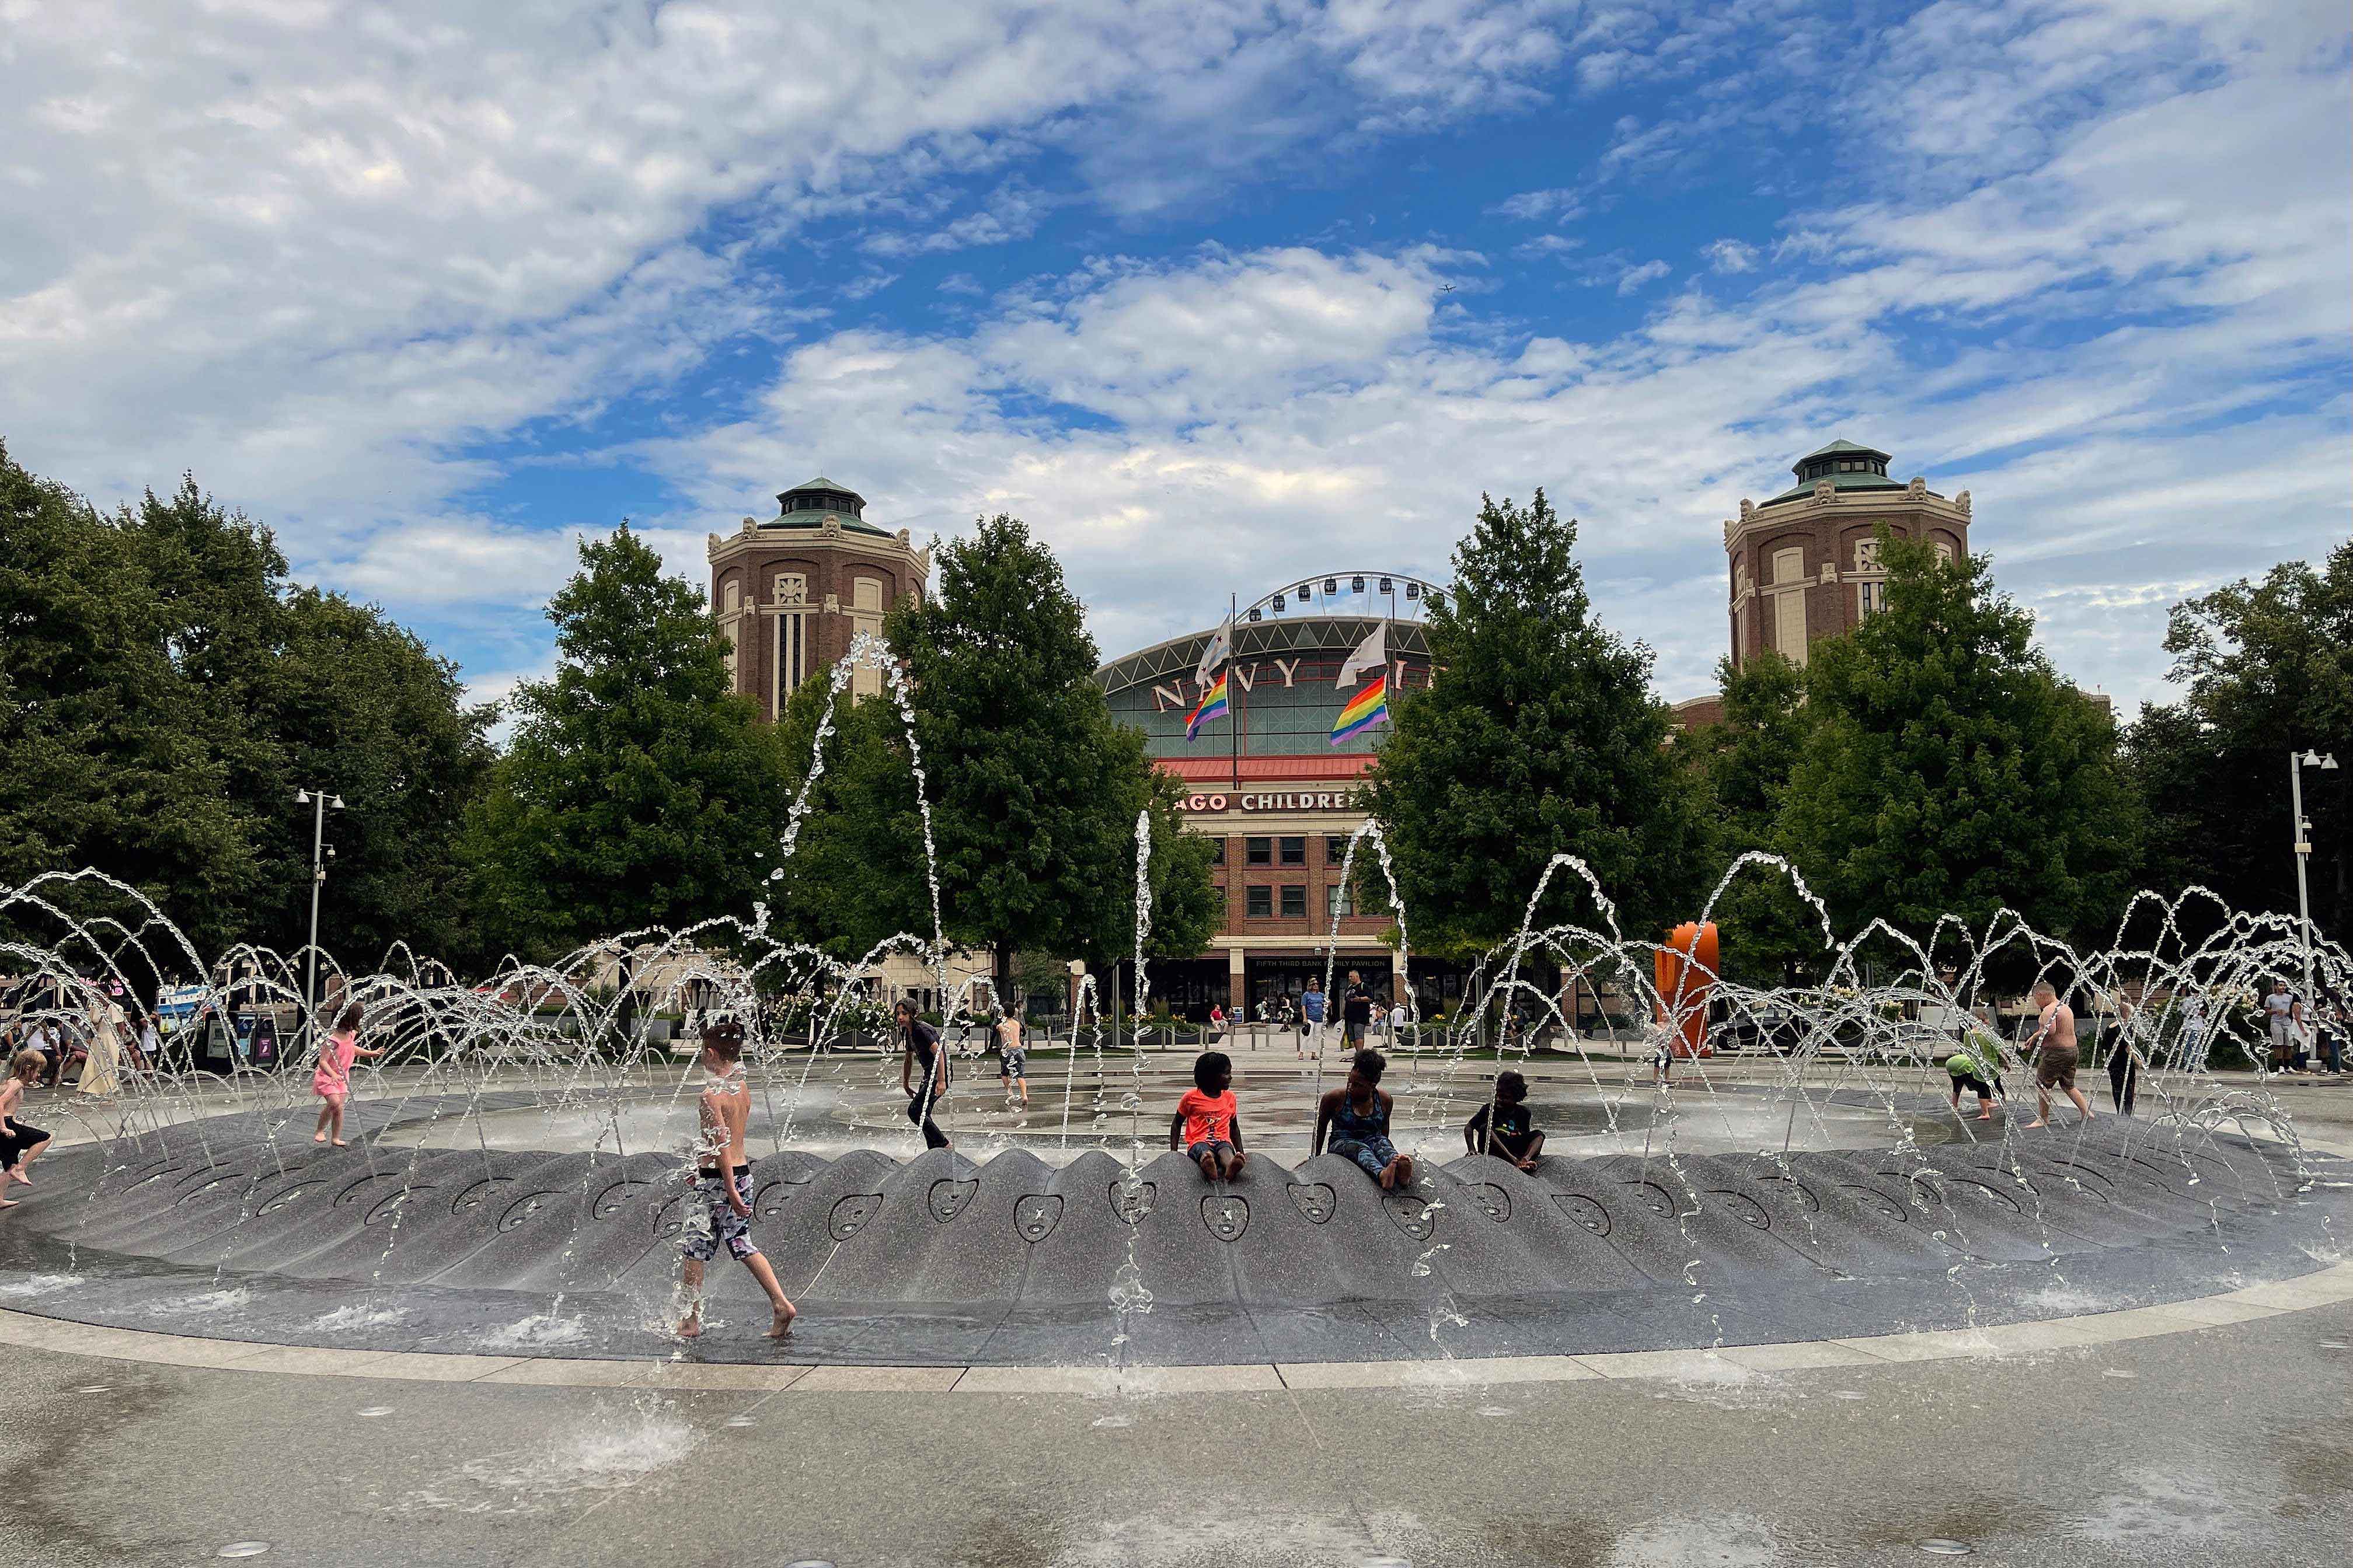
[637,789]
[1950,770]
[1538,735]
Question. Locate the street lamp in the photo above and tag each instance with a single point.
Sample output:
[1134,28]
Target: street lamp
[319,800]
[2300,836]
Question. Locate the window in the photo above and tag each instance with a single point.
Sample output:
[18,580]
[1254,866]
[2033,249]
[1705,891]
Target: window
[729,596]
[1294,900]
[1789,565]
[792,655]
[1295,851]
[1338,900]
[1217,851]
[1868,596]
[1335,848]
[1790,626]
[1259,851]
[728,644]
[1258,902]
[1945,551]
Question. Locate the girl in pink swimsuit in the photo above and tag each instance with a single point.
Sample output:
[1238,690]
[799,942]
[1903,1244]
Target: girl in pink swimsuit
[332,1081]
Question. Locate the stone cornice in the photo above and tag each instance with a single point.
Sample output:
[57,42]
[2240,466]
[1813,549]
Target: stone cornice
[829,537]
[1828,502]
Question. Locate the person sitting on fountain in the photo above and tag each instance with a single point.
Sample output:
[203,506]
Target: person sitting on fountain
[1976,1065]
[1357,1118]
[19,1140]
[1210,1118]
[332,1079]
[719,1211]
[1503,1128]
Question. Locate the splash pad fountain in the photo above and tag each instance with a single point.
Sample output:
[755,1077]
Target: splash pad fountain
[518,1172]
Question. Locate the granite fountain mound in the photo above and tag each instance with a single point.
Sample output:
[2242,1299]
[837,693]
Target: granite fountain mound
[239,1226]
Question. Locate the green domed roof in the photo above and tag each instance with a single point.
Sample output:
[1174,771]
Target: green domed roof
[808,504]
[1846,465]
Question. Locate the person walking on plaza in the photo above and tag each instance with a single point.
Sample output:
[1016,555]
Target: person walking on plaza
[2124,1057]
[1357,1010]
[920,1046]
[719,1213]
[2055,1067]
[2195,1042]
[1311,1017]
[2328,1031]
[1013,1059]
[19,1140]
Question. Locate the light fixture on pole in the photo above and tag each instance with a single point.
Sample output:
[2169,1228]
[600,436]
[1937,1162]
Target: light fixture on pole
[2300,837]
[319,801]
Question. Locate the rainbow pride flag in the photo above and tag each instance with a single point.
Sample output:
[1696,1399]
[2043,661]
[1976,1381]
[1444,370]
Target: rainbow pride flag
[1213,706]
[1364,709]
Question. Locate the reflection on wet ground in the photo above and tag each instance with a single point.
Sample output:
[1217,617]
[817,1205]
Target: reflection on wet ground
[847,1102]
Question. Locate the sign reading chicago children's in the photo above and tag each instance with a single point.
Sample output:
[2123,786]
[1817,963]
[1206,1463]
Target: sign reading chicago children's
[1318,800]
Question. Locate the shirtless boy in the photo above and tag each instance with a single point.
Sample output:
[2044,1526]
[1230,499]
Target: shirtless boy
[2055,1068]
[719,1209]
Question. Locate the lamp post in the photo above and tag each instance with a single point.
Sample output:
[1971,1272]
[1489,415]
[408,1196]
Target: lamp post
[2300,836]
[319,800]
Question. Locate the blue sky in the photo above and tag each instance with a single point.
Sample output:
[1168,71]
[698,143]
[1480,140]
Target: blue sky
[1211,293]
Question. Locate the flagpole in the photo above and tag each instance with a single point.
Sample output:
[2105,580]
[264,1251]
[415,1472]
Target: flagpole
[1233,693]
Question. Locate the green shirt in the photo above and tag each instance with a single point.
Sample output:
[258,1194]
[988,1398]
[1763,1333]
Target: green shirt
[1980,1057]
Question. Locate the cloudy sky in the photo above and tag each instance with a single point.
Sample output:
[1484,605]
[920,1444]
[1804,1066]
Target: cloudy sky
[1213,292]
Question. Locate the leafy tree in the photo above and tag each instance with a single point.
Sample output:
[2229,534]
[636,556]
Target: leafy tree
[638,790]
[1035,788]
[1538,735]
[856,875]
[106,760]
[1745,762]
[1950,770]
[2264,668]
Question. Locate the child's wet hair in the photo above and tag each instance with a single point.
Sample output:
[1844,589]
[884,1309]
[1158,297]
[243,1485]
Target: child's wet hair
[724,1039]
[1371,1064]
[1208,1066]
[1511,1087]
[27,1066]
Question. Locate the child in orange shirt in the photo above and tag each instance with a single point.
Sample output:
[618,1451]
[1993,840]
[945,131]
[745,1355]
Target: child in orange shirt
[1209,1119]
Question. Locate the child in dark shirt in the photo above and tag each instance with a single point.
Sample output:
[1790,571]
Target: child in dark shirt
[1209,1119]
[1503,1128]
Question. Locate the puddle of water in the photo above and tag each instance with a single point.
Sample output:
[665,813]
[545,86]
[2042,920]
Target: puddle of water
[1717,1539]
[609,1452]
[537,1332]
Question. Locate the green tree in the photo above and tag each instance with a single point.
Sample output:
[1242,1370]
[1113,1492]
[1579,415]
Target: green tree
[106,759]
[1035,788]
[1951,771]
[638,790]
[2264,668]
[856,875]
[1538,735]
[1745,762]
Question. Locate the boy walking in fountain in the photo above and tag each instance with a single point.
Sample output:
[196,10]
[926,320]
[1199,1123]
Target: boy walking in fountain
[1357,1118]
[1503,1127]
[1209,1119]
[2055,1068]
[719,1210]
[1013,1058]
[332,1079]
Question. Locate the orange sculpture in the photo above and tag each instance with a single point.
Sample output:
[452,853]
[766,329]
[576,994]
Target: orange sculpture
[1686,971]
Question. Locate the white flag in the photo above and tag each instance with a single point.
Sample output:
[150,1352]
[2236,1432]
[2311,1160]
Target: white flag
[1371,658]
[1221,643]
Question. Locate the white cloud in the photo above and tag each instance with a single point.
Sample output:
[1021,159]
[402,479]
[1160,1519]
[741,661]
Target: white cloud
[1633,278]
[1730,255]
[1558,206]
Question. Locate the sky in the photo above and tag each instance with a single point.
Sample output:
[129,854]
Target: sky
[1210,292]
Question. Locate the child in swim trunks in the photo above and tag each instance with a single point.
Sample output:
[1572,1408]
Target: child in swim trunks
[1209,1119]
[719,1209]
[1356,1117]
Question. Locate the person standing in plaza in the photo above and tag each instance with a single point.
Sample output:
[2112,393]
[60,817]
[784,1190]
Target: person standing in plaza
[101,1074]
[2124,1057]
[2194,1041]
[2279,1023]
[920,1046]
[2054,1066]
[1311,1017]
[1357,1010]
[1013,1059]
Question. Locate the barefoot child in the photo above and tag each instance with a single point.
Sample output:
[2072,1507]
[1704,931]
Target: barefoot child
[19,1140]
[1503,1128]
[1357,1118]
[1013,1059]
[331,1081]
[1210,1118]
[719,1210]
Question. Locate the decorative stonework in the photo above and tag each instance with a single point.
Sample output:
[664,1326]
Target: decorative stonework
[1962,500]
[1825,492]
[1917,490]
